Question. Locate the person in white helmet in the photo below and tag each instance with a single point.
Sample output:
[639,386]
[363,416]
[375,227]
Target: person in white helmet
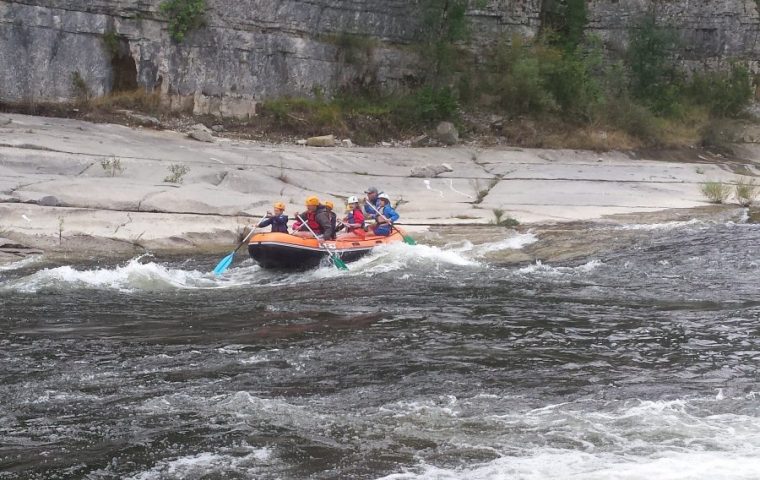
[387,216]
[354,219]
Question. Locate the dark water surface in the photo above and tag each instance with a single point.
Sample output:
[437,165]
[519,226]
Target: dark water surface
[418,363]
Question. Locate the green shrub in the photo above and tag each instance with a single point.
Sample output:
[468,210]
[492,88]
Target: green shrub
[564,22]
[425,106]
[111,43]
[746,191]
[499,219]
[112,166]
[177,172]
[635,119]
[716,192]
[654,78]
[726,94]
[719,135]
[183,15]
[79,87]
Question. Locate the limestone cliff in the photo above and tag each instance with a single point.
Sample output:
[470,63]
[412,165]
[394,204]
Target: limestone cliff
[251,50]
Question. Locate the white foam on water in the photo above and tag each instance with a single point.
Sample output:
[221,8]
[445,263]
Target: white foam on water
[140,275]
[630,440]
[539,268]
[201,465]
[515,242]
[134,275]
[659,226]
[576,465]
[20,264]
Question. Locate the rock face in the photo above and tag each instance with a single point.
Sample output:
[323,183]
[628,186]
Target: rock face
[253,50]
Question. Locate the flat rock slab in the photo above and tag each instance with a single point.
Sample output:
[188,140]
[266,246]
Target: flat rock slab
[54,168]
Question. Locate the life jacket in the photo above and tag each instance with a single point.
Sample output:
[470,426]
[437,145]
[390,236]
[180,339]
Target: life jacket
[311,220]
[355,217]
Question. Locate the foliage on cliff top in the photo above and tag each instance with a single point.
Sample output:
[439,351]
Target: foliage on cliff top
[183,15]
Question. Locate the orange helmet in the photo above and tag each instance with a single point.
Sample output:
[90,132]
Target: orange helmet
[313,200]
[279,205]
[329,204]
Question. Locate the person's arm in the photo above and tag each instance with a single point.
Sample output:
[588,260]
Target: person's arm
[368,210]
[358,217]
[266,222]
[325,223]
[391,214]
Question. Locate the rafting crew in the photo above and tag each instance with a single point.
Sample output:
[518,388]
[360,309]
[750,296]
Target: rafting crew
[278,220]
[323,221]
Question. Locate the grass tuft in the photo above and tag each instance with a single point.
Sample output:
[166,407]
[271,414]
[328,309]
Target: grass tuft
[716,192]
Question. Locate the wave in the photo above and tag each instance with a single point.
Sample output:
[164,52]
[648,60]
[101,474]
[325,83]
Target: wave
[539,268]
[140,275]
[660,226]
[134,275]
[632,440]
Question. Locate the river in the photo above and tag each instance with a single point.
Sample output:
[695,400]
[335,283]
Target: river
[421,362]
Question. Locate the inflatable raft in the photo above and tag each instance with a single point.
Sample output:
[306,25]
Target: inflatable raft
[283,251]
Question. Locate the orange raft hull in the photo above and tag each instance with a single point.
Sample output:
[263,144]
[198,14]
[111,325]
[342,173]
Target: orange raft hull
[283,251]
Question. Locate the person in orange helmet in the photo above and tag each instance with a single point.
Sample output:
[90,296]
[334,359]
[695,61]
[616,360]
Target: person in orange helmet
[278,220]
[317,218]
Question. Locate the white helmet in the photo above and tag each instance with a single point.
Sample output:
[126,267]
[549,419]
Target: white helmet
[353,199]
[385,196]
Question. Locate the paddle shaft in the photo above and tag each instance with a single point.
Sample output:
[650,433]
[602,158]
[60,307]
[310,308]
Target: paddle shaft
[386,218]
[250,233]
[321,243]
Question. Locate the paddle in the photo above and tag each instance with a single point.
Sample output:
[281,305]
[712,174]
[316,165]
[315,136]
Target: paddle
[339,264]
[225,263]
[407,238]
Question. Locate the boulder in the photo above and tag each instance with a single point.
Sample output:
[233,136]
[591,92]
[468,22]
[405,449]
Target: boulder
[447,133]
[201,133]
[140,119]
[217,128]
[430,170]
[346,142]
[420,141]
[323,141]
[49,201]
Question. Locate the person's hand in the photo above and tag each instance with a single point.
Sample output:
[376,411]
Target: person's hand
[269,214]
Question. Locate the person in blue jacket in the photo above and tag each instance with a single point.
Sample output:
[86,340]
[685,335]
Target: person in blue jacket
[388,215]
[278,221]
[373,197]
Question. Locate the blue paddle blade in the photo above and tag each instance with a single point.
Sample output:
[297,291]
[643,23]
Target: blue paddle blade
[224,264]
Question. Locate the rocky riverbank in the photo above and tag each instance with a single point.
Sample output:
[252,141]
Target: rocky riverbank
[68,186]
